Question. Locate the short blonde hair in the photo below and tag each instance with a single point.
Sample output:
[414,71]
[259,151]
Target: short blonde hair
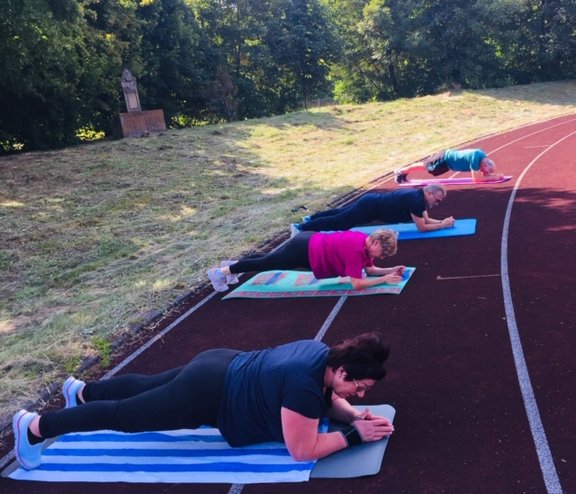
[388,240]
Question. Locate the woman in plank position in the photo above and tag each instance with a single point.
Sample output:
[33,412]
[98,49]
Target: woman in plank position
[275,394]
[328,255]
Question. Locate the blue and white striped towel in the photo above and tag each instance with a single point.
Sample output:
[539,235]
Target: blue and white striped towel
[183,456]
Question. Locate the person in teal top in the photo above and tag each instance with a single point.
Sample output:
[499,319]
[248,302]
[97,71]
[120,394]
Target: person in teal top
[475,161]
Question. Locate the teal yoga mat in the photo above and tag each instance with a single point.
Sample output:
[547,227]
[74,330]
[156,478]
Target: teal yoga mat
[288,284]
[408,231]
[358,461]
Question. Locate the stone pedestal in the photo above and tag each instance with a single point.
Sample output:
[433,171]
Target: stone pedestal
[138,123]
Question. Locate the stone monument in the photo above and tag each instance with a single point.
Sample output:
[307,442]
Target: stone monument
[136,122]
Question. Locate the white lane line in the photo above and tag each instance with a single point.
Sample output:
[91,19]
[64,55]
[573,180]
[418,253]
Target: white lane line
[530,135]
[547,466]
[330,319]
[444,278]
[237,488]
[485,138]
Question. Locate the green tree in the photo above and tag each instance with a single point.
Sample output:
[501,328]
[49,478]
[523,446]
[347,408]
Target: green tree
[537,39]
[276,52]
[59,69]
[237,29]
[302,46]
[179,61]
[113,32]
[39,68]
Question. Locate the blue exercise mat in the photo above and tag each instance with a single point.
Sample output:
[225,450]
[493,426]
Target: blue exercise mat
[408,231]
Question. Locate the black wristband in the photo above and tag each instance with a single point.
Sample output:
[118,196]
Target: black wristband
[351,435]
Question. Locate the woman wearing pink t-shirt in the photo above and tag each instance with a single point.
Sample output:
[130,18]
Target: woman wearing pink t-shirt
[345,254]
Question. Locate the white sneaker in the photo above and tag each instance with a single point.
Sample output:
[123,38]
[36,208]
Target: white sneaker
[294,230]
[28,455]
[217,279]
[232,278]
[306,219]
[70,390]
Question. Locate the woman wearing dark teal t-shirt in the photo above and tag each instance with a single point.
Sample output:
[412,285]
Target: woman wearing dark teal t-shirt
[276,394]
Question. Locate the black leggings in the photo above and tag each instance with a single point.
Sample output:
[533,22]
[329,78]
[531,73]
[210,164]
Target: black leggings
[292,255]
[364,210]
[182,398]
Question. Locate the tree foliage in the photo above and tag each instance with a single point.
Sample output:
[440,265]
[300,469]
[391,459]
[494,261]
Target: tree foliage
[211,60]
[402,48]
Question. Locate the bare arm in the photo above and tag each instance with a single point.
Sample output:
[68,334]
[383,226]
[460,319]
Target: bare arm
[303,440]
[427,224]
[305,443]
[428,220]
[378,276]
[376,271]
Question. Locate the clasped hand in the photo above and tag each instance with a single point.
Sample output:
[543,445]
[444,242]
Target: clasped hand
[373,427]
[396,275]
[449,222]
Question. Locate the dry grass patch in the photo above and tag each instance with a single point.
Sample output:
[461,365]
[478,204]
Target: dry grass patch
[93,237]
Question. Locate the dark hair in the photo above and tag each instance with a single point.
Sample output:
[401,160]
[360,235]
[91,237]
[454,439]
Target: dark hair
[362,357]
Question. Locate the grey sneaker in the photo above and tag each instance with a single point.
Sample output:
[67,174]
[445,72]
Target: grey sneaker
[70,390]
[400,177]
[294,229]
[306,219]
[217,279]
[232,278]
[28,455]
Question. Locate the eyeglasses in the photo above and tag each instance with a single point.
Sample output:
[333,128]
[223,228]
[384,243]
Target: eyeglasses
[360,388]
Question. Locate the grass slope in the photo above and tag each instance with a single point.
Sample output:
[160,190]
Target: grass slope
[94,237]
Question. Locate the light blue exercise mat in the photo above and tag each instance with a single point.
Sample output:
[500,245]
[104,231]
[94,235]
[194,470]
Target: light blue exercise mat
[359,461]
[289,284]
[408,231]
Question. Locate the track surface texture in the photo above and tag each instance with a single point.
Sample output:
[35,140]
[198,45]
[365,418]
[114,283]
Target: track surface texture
[482,370]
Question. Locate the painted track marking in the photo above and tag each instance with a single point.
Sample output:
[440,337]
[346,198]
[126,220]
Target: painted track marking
[444,278]
[547,466]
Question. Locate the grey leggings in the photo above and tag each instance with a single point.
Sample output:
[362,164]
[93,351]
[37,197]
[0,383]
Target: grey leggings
[182,398]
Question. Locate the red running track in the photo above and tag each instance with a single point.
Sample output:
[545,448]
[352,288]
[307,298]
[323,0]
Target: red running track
[482,372]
